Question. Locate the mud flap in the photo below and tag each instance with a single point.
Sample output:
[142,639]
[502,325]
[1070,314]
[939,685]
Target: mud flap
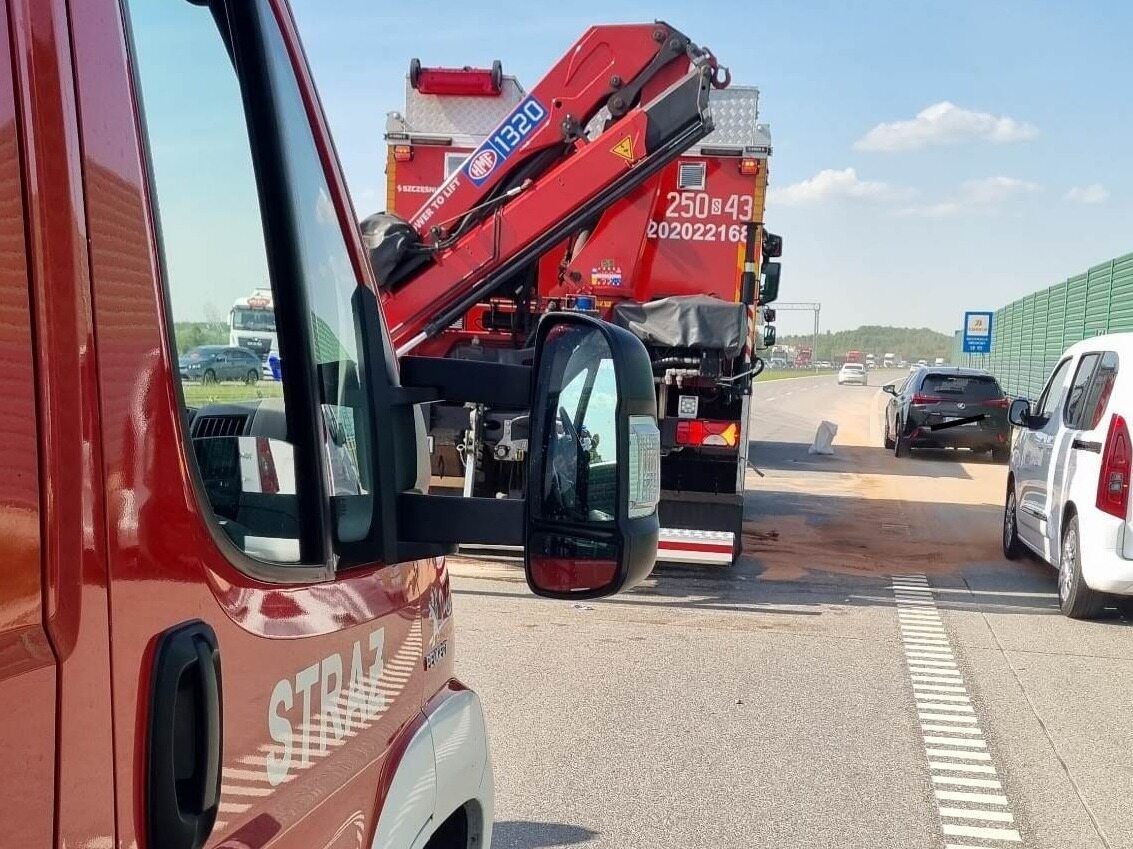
[700,527]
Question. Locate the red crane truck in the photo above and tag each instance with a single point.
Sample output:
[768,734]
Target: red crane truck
[225,618]
[666,261]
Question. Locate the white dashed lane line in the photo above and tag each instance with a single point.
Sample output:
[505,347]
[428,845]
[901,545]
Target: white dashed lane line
[975,812]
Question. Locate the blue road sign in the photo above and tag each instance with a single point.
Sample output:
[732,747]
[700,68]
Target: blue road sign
[977,332]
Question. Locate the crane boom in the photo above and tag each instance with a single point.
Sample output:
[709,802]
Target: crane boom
[513,199]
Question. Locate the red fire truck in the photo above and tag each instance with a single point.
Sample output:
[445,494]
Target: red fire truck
[666,261]
[226,620]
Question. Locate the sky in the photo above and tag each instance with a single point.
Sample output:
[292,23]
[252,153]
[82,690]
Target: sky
[929,157]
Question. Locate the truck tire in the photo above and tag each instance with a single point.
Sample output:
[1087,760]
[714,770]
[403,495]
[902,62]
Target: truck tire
[414,72]
[1075,599]
[497,74]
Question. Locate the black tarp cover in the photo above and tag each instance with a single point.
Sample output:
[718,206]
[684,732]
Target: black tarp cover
[699,322]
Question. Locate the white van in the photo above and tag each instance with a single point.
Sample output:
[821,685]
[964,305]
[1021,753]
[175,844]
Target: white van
[1068,483]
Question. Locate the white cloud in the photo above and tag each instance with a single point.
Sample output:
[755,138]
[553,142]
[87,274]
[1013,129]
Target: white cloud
[1093,193]
[830,184]
[976,196]
[945,123]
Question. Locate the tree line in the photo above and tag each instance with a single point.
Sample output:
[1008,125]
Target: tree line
[909,343]
[190,334]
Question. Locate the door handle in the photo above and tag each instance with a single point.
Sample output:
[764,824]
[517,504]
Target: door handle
[1083,445]
[185,738]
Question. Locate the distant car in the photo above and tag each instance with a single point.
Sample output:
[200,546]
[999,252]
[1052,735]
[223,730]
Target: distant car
[947,408]
[1068,482]
[213,363]
[777,363]
[853,373]
[824,364]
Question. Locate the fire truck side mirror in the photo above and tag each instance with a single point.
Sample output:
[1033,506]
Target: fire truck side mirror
[595,462]
[769,288]
[768,336]
[772,245]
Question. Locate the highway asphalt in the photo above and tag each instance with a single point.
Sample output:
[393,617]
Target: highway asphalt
[871,674]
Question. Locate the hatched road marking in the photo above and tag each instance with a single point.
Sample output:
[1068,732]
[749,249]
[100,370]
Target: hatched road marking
[970,807]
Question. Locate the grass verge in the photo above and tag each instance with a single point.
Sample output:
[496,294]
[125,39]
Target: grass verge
[197,394]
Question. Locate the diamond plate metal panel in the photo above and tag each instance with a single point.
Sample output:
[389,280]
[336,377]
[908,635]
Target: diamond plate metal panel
[735,117]
[467,120]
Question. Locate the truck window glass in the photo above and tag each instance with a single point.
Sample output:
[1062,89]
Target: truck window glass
[217,274]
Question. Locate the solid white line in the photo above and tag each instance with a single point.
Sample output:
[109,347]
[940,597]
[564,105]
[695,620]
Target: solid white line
[936,688]
[989,783]
[947,717]
[924,640]
[949,729]
[959,755]
[939,677]
[954,741]
[931,662]
[927,651]
[922,696]
[947,708]
[922,630]
[977,798]
[973,814]
[946,767]
[986,833]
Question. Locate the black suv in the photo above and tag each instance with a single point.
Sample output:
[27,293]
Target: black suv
[946,407]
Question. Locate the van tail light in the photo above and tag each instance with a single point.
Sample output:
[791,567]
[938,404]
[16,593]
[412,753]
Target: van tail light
[1117,458]
[708,432]
[998,403]
[919,400]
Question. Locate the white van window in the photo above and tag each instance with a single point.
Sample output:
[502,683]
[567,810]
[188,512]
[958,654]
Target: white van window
[1051,399]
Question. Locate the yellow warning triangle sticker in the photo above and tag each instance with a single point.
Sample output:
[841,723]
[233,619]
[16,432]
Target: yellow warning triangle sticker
[624,149]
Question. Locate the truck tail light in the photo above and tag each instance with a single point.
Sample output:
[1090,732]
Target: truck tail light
[919,400]
[708,433]
[402,152]
[1113,481]
[749,167]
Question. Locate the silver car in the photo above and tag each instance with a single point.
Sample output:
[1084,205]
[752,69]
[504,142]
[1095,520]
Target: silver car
[853,373]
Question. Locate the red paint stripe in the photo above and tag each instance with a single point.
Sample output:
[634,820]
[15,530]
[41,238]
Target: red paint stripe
[696,546]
